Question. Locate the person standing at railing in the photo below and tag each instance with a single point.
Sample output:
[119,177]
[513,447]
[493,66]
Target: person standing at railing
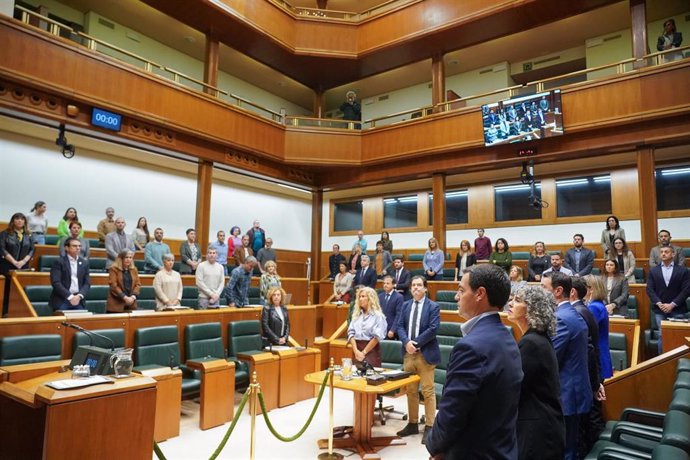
[352,110]
[670,39]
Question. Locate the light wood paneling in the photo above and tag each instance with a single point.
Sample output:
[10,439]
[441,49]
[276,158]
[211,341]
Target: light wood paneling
[625,196]
[647,198]
[480,201]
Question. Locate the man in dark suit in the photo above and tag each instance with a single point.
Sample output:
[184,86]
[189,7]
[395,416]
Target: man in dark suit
[477,416]
[366,276]
[334,261]
[391,303]
[401,277]
[579,258]
[570,343]
[69,277]
[417,326]
[668,286]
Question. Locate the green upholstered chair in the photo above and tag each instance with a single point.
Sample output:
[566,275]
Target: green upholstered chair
[27,349]
[254,295]
[417,272]
[147,298]
[158,347]
[97,299]
[45,263]
[619,351]
[448,333]
[204,340]
[520,255]
[415,257]
[243,337]
[440,371]
[639,275]
[39,297]
[651,336]
[633,311]
[448,274]
[446,300]
[116,335]
[97,264]
[176,266]
[140,265]
[596,271]
[190,297]
[52,239]
[683,365]
[93,242]
[391,358]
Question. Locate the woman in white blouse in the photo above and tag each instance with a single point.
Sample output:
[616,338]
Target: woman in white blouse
[140,234]
[38,223]
[167,284]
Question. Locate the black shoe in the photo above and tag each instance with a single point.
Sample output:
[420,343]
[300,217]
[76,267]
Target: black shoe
[410,429]
[427,430]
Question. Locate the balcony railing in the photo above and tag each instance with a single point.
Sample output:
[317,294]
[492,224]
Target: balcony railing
[299,12]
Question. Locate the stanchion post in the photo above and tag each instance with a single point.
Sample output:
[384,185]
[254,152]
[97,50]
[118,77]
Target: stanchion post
[252,411]
[330,455]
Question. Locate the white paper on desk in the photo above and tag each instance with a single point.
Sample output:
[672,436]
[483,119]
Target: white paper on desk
[71,384]
[278,348]
[391,372]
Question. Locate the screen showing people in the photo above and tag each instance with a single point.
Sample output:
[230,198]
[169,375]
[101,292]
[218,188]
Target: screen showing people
[523,119]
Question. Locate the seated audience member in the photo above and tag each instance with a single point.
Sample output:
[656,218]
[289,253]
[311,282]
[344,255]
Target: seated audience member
[223,251]
[265,254]
[167,284]
[16,251]
[190,254]
[63,224]
[366,276]
[382,261]
[665,241]
[540,424]
[387,242]
[464,259]
[257,237]
[334,261]
[502,255]
[477,415]
[539,261]
[105,226]
[153,252]
[275,322]
[391,303]
[624,258]
[482,245]
[418,324]
[579,258]
[355,261]
[117,241]
[401,277]
[361,242]
[124,283]
[269,279]
[557,266]
[235,238]
[433,261]
[571,345]
[616,289]
[367,328]
[74,231]
[238,285]
[243,252]
[609,234]
[70,279]
[668,287]
[38,223]
[342,284]
[141,235]
[210,280]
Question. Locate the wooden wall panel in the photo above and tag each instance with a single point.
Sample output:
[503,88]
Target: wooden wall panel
[625,201]
[372,220]
[322,146]
[480,201]
[321,38]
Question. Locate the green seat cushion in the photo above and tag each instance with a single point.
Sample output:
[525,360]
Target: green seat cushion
[415,257]
[521,255]
[244,337]
[97,264]
[27,349]
[45,263]
[116,335]
[156,345]
[202,340]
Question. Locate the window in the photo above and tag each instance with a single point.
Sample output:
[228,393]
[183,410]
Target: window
[583,196]
[456,207]
[400,212]
[673,188]
[513,202]
[347,216]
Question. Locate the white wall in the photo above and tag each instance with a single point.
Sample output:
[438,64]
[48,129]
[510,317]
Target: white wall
[7,7]
[34,170]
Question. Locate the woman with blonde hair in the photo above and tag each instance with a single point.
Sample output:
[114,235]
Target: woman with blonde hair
[269,279]
[465,258]
[367,328]
[596,295]
[433,261]
[539,261]
[275,322]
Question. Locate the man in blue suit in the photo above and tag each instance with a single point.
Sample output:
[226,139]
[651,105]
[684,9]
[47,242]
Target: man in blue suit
[571,345]
[366,276]
[668,285]
[417,326]
[69,277]
[579,258]
[391,303]
[477,415]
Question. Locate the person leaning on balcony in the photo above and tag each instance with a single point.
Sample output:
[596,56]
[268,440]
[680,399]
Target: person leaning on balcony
[670,39]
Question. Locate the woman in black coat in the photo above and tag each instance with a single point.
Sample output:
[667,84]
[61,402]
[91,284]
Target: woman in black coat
[16,250]
[274,318]
[540,425]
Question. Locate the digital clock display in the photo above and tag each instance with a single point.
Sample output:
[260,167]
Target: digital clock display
[105,119]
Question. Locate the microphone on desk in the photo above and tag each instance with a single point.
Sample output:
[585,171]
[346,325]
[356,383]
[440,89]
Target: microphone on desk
[90,334]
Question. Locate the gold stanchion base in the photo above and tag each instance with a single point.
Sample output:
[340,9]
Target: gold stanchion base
[333,456]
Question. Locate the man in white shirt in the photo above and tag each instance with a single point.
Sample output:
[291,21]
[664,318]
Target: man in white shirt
[557,265]
[210,280]
[69,277]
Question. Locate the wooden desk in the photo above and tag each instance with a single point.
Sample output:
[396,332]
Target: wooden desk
[168,401]
[674,335]
[103,421]
[267,369]
[294,365]
[365,395]
[333,317]
[217,391]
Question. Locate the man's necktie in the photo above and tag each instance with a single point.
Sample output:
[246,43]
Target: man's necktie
[413,332]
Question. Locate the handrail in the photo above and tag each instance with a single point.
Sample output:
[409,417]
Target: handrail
[657,55]
[294,120]
[177,75]
[620,68]
[304,12]
[240,100]
[93,42]
[509,89]
[55,25]
[423,110]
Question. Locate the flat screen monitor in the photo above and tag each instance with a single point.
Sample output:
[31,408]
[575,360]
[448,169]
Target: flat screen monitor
[525,118]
